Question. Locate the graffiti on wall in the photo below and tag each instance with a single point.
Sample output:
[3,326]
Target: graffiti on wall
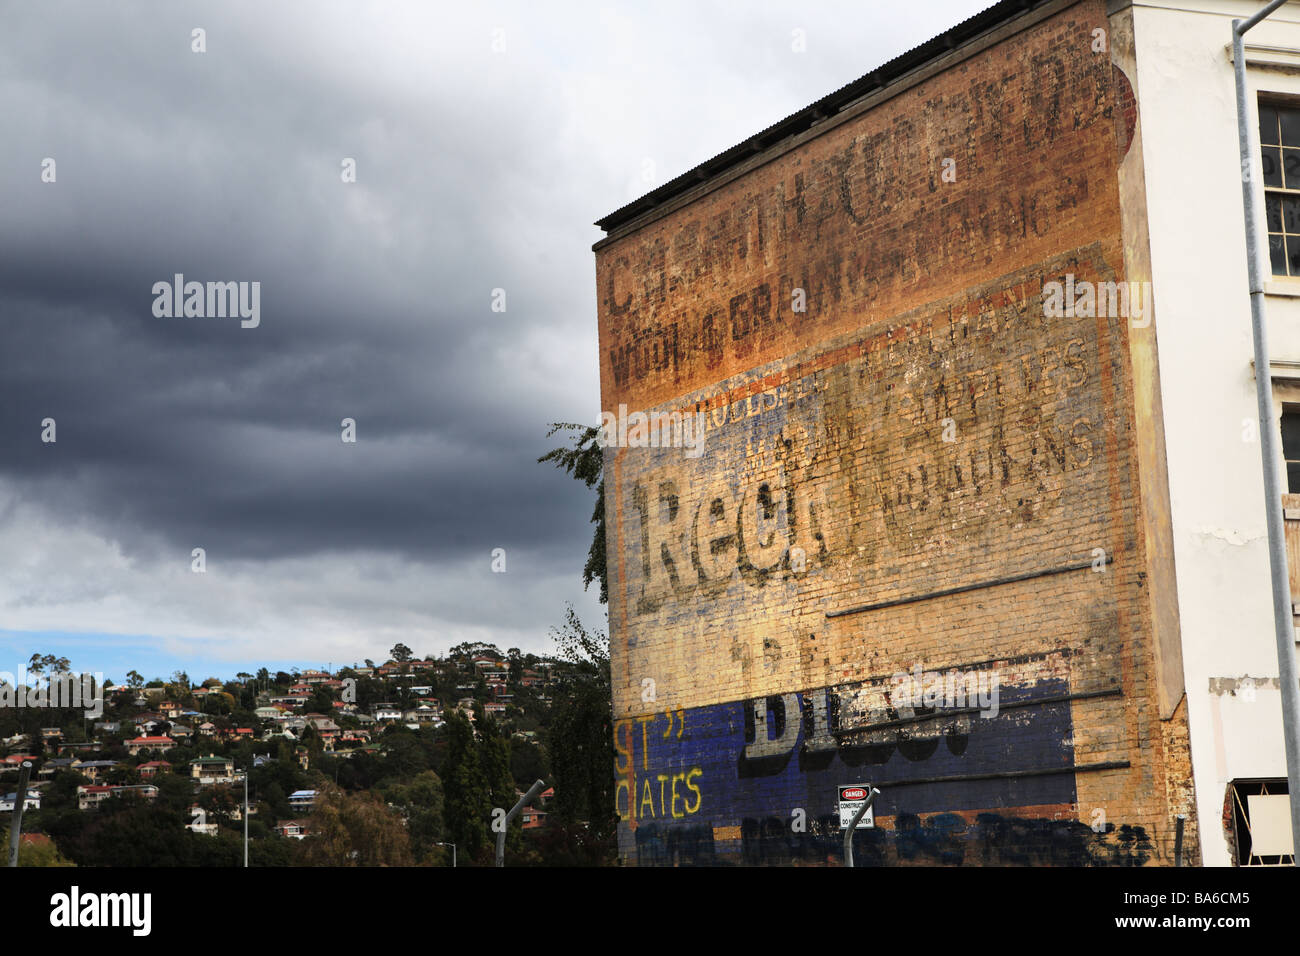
[790,750]
[755,780]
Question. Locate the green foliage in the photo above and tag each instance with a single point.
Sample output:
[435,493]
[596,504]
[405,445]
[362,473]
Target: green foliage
[62,792]
[220,802]
[218,703]
[322,701]
[139,834]
[421,802]
[581,739]
[175,791]
[585,461]
[40,663]
[473,649]
[41,854]
[527,763]
[468,800]
[275,800]
[495,749]
[354,829]
[405,755]
[581,733]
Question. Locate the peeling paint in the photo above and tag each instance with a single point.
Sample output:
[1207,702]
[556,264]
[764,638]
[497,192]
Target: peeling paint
[1230,685]
[1230,535]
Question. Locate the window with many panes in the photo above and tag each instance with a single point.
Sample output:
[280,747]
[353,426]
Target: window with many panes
[1279,145]
[1291,448]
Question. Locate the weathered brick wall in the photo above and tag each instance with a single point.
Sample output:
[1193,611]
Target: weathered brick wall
[923,426]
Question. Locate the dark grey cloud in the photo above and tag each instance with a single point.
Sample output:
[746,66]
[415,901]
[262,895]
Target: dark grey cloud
[476,170]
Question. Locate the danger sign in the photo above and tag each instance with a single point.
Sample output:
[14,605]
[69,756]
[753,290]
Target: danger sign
[851,799]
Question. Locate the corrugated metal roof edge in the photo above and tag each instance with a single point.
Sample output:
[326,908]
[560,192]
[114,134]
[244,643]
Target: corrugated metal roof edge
[877,79]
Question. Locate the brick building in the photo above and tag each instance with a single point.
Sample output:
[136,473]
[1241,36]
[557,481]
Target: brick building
[908,522]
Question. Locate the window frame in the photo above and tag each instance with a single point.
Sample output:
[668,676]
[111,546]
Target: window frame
[1290,240]
[1289,409]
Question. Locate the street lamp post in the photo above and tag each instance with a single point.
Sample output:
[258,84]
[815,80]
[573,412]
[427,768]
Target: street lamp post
[453,853]
[526,799]
[1283,621]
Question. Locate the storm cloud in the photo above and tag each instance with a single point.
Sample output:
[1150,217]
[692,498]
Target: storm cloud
[486,139]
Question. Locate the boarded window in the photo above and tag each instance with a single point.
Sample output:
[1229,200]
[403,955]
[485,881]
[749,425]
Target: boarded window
[1261,816]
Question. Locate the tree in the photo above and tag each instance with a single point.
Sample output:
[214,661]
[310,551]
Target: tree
[62,793]
[527,763]
[473,649]
[56,665]
[310,738]
[581,735]
[403,755]
[322,701]
[400,653]
[134,679]
[44,853]
[494,749]
[586,461]
[219,801]
[468,802]
[422,802]
[581,743]
[175,790]
[354,829]
[123,833]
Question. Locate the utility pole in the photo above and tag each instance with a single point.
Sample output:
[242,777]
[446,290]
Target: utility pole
[1283,621]
[245,816]
[20,804]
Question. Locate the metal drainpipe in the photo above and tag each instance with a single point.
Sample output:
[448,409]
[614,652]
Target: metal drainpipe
[1283,621]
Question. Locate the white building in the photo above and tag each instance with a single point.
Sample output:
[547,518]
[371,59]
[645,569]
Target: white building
[1183,177]
[10,800]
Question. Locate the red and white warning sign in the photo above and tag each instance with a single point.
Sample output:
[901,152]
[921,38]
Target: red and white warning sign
[851,799]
